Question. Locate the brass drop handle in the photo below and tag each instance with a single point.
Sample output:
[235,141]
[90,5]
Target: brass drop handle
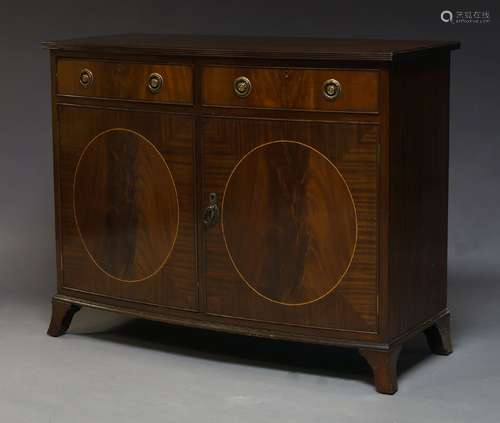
[86,78]
[211,213]
[331,89]
[155,82]
[242,86]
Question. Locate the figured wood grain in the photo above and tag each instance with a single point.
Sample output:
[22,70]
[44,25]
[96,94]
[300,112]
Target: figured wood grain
[291,234]
[359,92]
[122,80]
[291,88]
[217,86]
[352,149]
[126,205]
[135,216]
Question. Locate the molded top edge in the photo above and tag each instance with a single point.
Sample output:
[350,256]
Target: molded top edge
[253,47]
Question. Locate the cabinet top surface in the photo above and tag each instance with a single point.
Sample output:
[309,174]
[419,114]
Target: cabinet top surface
[253,47]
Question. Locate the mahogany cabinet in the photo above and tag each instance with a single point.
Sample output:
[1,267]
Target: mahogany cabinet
[284,188]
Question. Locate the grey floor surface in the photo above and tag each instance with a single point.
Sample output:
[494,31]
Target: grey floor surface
[112,369]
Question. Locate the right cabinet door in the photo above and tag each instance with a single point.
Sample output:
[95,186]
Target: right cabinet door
[291,222]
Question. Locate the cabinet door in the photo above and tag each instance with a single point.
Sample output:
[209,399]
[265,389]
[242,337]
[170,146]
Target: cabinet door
[296,237]
[126,182]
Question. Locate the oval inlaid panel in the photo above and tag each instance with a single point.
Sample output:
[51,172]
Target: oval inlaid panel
[125,204]
[289,222]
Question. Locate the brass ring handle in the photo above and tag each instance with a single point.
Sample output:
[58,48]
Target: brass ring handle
[242,86]
[331,89]
[86,78]
[155,82]
[211,212]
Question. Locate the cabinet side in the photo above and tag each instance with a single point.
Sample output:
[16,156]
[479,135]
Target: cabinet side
[56,172]
[418,191]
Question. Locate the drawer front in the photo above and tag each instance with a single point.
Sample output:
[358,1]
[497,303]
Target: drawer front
[164,83]
[218,87]
[282,88]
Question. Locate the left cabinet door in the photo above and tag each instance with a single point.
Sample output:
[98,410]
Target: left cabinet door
[127,224]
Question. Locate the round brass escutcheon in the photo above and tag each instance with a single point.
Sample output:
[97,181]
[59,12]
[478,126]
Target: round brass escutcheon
[155,82]
[242,86]
[86,78]
[331,89]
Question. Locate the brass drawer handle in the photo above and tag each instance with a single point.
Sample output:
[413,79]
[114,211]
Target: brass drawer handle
[211,212]
[155,82]
[242,86]
[331,89]
[86,78]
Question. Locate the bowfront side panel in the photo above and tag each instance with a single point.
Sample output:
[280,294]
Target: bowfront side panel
[295,241]
[419,191]
[127,205]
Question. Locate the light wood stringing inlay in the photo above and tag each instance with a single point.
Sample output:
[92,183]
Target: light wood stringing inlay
[292,238]
[126,213]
